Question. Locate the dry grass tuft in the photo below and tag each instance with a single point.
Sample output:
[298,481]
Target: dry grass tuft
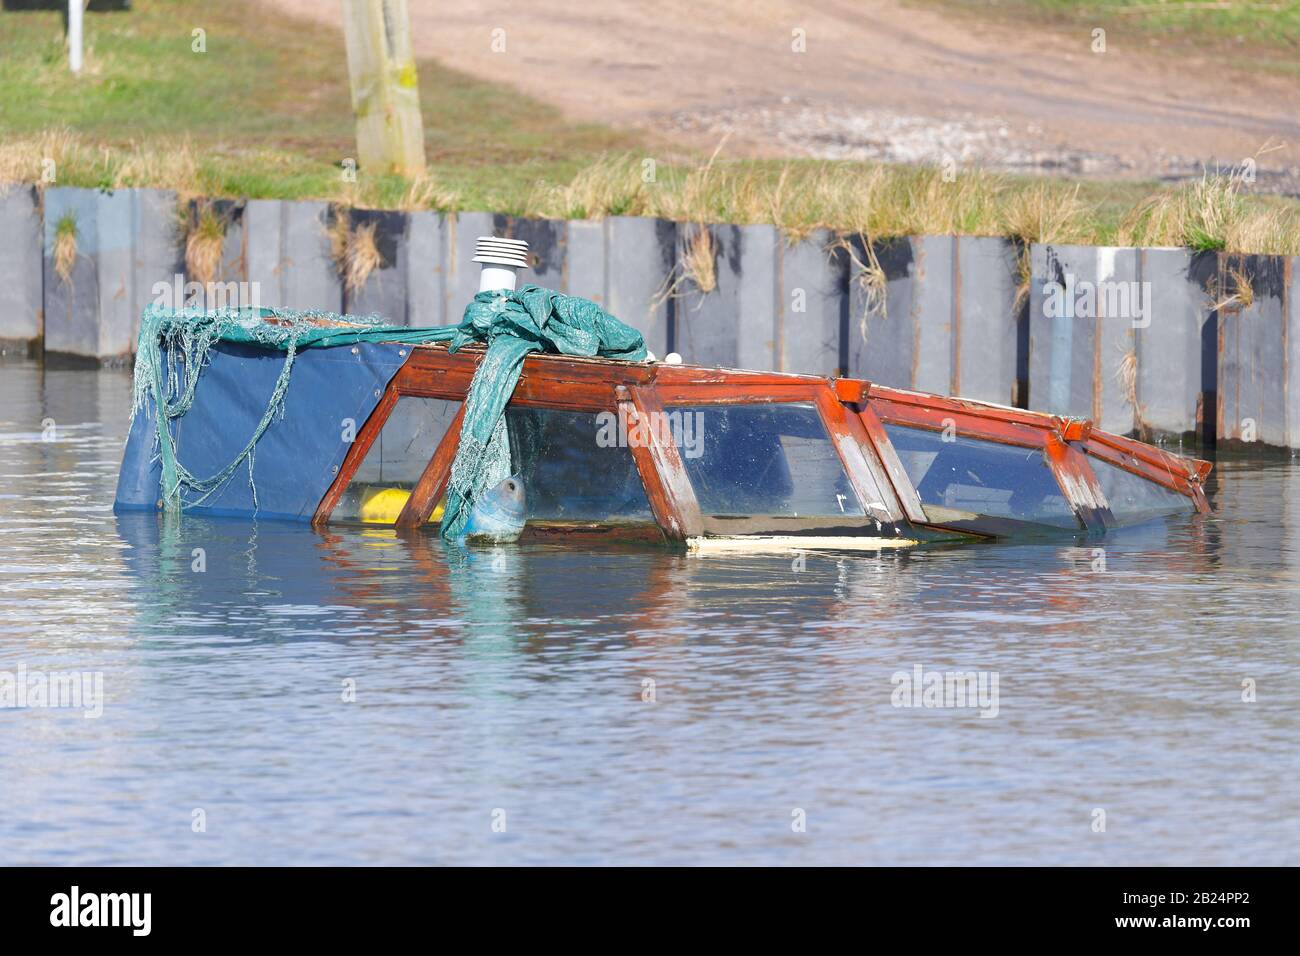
[696,264]
[204,242]
[1244,291]
[1126,375]
[355,253]
[610,186]
[699,261]
[869,275]
[1241,296]
[425,192]
[1214,213]
[1043,212]
[33,159]
[65,246]
[56,157]
[173,165]
[340,232]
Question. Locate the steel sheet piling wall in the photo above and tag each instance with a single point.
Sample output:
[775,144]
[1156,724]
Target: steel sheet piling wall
[906,339]
[758,296]
[986,319]
[933,311]
[547,245]
[385,291]
[115,274]
[733,324]
[586,270]
[232,263]
[1117,319]
[882,327]
[706,294]
[1168,344]
[159,253]
[426,269]
[641,267]
[127,254]
[948,321]
[1292,354]
[1170,382]
[288,259]
[309,277]
[21,267]
[462,272]
[1083,315]
[1252,350]
[813,322]
[88,275]
[264,220]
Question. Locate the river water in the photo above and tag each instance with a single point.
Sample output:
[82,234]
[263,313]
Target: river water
[275,695]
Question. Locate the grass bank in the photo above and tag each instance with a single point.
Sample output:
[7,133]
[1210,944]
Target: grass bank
[264,112]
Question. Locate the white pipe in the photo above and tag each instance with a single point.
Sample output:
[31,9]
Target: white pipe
[75,10]
[494,278]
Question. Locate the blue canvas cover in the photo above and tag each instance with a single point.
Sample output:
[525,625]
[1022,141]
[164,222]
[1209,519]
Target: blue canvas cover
[297,458]
[175,367]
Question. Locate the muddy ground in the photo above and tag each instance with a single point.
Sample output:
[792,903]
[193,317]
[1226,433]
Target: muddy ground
[872,79]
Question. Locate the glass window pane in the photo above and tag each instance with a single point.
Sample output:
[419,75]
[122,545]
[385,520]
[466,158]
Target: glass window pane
[978,477]
[570,472]
[383,482]
[1133,498]
[771,459]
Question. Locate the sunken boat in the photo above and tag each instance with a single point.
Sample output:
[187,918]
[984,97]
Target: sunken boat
[541,417]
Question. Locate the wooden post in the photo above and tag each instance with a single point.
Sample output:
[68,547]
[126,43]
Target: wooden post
[385,91]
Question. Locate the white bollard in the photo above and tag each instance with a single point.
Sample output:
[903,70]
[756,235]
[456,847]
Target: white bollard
[75,12]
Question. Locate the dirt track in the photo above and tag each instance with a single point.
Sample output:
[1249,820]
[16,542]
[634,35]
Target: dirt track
[877,80]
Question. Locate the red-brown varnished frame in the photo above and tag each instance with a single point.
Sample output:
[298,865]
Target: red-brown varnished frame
[639,390]
[1183,475]
[853,412]
[1006,426]
[1062,438]
[678,385]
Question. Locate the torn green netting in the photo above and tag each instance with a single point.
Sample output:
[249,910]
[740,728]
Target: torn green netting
[174,346]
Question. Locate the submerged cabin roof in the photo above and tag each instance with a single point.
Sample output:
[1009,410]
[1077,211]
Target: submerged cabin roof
[548,368]
[803,456]
[864,423]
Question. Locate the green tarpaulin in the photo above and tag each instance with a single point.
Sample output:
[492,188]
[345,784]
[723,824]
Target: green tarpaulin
[174,344]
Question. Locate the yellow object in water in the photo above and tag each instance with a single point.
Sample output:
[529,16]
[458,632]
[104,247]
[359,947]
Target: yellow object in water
[383,505]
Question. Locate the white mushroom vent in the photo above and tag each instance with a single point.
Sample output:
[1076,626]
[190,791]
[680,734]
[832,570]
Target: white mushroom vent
[501,260]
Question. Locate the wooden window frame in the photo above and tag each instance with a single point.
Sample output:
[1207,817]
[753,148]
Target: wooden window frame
[1003,426]
[853,412]
[641,389]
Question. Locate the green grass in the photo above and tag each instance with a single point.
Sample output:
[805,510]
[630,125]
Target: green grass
[267,107]
[1264,22]
[1258,35]
[266,113]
